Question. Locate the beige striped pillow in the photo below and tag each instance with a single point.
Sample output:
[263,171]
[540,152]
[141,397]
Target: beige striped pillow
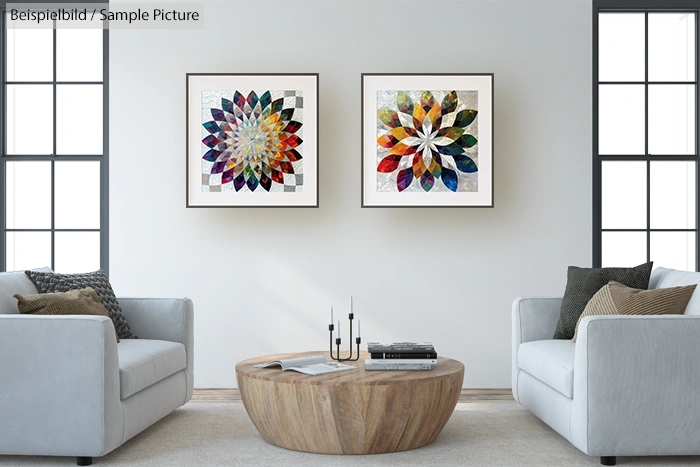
[618,299]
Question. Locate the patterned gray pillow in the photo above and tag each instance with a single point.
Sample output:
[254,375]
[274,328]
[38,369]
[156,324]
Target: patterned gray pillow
[49,282]
[583,283]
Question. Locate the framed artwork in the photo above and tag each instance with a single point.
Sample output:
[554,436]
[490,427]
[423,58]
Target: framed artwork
[252,140]
[427,140]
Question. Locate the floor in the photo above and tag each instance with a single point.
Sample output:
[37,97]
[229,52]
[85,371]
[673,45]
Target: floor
[221,434]
[214,430]
[467,396]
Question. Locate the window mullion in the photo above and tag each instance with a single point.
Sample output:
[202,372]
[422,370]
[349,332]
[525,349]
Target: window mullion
[53,213]
[646,129]
[697,143]
[82,83]
[53,164]
[60,157]
[625,83]
[104,160]
[597,244]
[3,149]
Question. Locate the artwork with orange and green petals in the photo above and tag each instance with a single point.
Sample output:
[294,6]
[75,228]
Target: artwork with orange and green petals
[427,141]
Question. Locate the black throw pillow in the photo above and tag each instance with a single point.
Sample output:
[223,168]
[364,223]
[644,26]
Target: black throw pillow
[583,283]
[48,282]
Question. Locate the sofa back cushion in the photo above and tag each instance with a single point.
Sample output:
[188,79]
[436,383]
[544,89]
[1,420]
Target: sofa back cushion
[662,278]
[51,282]
[617,299]
[12,283]
[583,283]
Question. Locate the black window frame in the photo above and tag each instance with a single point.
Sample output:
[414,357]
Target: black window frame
[102,158]
[643,6]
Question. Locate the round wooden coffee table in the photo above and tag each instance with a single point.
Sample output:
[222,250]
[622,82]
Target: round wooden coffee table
[351,412]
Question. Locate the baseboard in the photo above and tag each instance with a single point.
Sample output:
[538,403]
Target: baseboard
[467,395]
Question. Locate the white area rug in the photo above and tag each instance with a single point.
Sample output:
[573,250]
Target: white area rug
[221,434]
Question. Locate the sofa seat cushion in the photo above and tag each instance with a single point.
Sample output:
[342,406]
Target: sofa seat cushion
[144,362]
[550,361]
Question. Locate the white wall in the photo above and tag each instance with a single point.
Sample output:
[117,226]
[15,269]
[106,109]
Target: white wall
[262,279]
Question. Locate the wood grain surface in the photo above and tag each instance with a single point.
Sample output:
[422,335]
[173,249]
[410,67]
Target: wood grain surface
[352,412]
[466,396]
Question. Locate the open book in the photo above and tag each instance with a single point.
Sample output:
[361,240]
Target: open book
[309,365]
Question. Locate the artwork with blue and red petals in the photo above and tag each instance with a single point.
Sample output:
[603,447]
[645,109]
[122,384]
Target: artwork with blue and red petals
[252,141]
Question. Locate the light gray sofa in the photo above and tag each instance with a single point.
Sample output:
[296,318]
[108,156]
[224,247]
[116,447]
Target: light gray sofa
[68,389]
[629,386]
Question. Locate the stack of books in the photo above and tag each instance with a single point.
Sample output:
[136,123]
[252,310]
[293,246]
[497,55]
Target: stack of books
[401,356]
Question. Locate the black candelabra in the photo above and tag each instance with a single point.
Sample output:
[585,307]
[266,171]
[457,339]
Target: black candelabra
[331,328]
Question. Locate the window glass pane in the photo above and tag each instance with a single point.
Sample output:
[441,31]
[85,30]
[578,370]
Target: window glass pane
[672,195]
[79,119]
[30,119]
[28,195]
[624,195]
[77,195]
[675,250]
[671,119]
[77,252]
[79,54]
[29,54]
[671,47]
[28,250]
[621,119]
[624,249]
[621,47]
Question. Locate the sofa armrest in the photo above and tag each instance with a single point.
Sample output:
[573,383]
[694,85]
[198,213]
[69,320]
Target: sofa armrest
[533,319]
[167,319]
[59,386]
[636,381]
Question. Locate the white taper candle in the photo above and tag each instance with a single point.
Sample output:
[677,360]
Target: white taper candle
[337,331]
[331,318]
[358,328]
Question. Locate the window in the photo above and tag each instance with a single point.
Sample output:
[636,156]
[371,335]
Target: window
[645,133]
[53,143]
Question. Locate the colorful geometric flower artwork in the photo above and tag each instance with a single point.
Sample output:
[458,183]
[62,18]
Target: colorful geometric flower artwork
[252,141]
[427,141]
